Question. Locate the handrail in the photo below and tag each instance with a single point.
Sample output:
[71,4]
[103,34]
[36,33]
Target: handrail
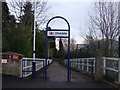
[29,67]
[117,70]
[81,63]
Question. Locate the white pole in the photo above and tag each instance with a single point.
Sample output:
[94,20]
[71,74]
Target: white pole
[34,29]
[119,70]
[119,26]
[104,65]
[119,42]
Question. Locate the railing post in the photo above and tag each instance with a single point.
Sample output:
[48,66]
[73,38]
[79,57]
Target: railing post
[94,65]
[87,65]
[25,65]
[119,70]
[21,68]
[104,65]
[82,64]
[33,69]
[78,64]
[71,63]
[92,68]
[74,63]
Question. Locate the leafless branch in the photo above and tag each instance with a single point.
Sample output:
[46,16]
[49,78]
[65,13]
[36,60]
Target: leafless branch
[104,18]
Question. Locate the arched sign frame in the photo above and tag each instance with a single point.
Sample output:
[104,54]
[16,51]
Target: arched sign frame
[67,32]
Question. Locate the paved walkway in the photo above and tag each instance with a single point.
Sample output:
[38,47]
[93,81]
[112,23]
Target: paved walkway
[57,72]
[57,76]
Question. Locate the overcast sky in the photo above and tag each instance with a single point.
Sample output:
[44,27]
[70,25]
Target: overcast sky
[75,12]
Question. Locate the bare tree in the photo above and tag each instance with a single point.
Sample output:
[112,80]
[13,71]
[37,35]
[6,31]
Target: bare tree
[104,24]
[17,7]
[42,9]
[73,44]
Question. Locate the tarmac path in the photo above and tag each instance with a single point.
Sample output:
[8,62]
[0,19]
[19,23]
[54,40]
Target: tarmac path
[57,78]
[57,72]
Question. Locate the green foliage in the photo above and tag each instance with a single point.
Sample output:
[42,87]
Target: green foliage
[15,37]
[83,53]
[8,21]
[53,47]
[20,41]
[18,37]
[61,52]
[28,18]
[40,44]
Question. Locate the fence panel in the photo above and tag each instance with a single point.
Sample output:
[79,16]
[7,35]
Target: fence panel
[82,64]
[111,68]
[26,65]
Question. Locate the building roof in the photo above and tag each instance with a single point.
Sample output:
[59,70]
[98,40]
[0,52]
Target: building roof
[79,46]
[10,53]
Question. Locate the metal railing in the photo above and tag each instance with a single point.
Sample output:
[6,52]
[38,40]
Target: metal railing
[111,67]
[86,65]
[27,67]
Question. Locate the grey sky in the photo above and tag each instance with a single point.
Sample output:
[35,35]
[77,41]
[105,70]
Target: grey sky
[75,11]
[77,15]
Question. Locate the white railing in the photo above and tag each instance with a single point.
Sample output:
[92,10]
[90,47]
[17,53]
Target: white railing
[82,64]
[108,64]
[26,65]
[111,64]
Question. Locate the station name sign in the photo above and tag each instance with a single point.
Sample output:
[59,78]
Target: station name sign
[57,33]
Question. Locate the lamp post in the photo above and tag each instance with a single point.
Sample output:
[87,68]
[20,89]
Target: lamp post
[34,29]
[34,63]
[119,25]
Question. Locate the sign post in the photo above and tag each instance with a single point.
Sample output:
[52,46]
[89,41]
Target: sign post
[58,33]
